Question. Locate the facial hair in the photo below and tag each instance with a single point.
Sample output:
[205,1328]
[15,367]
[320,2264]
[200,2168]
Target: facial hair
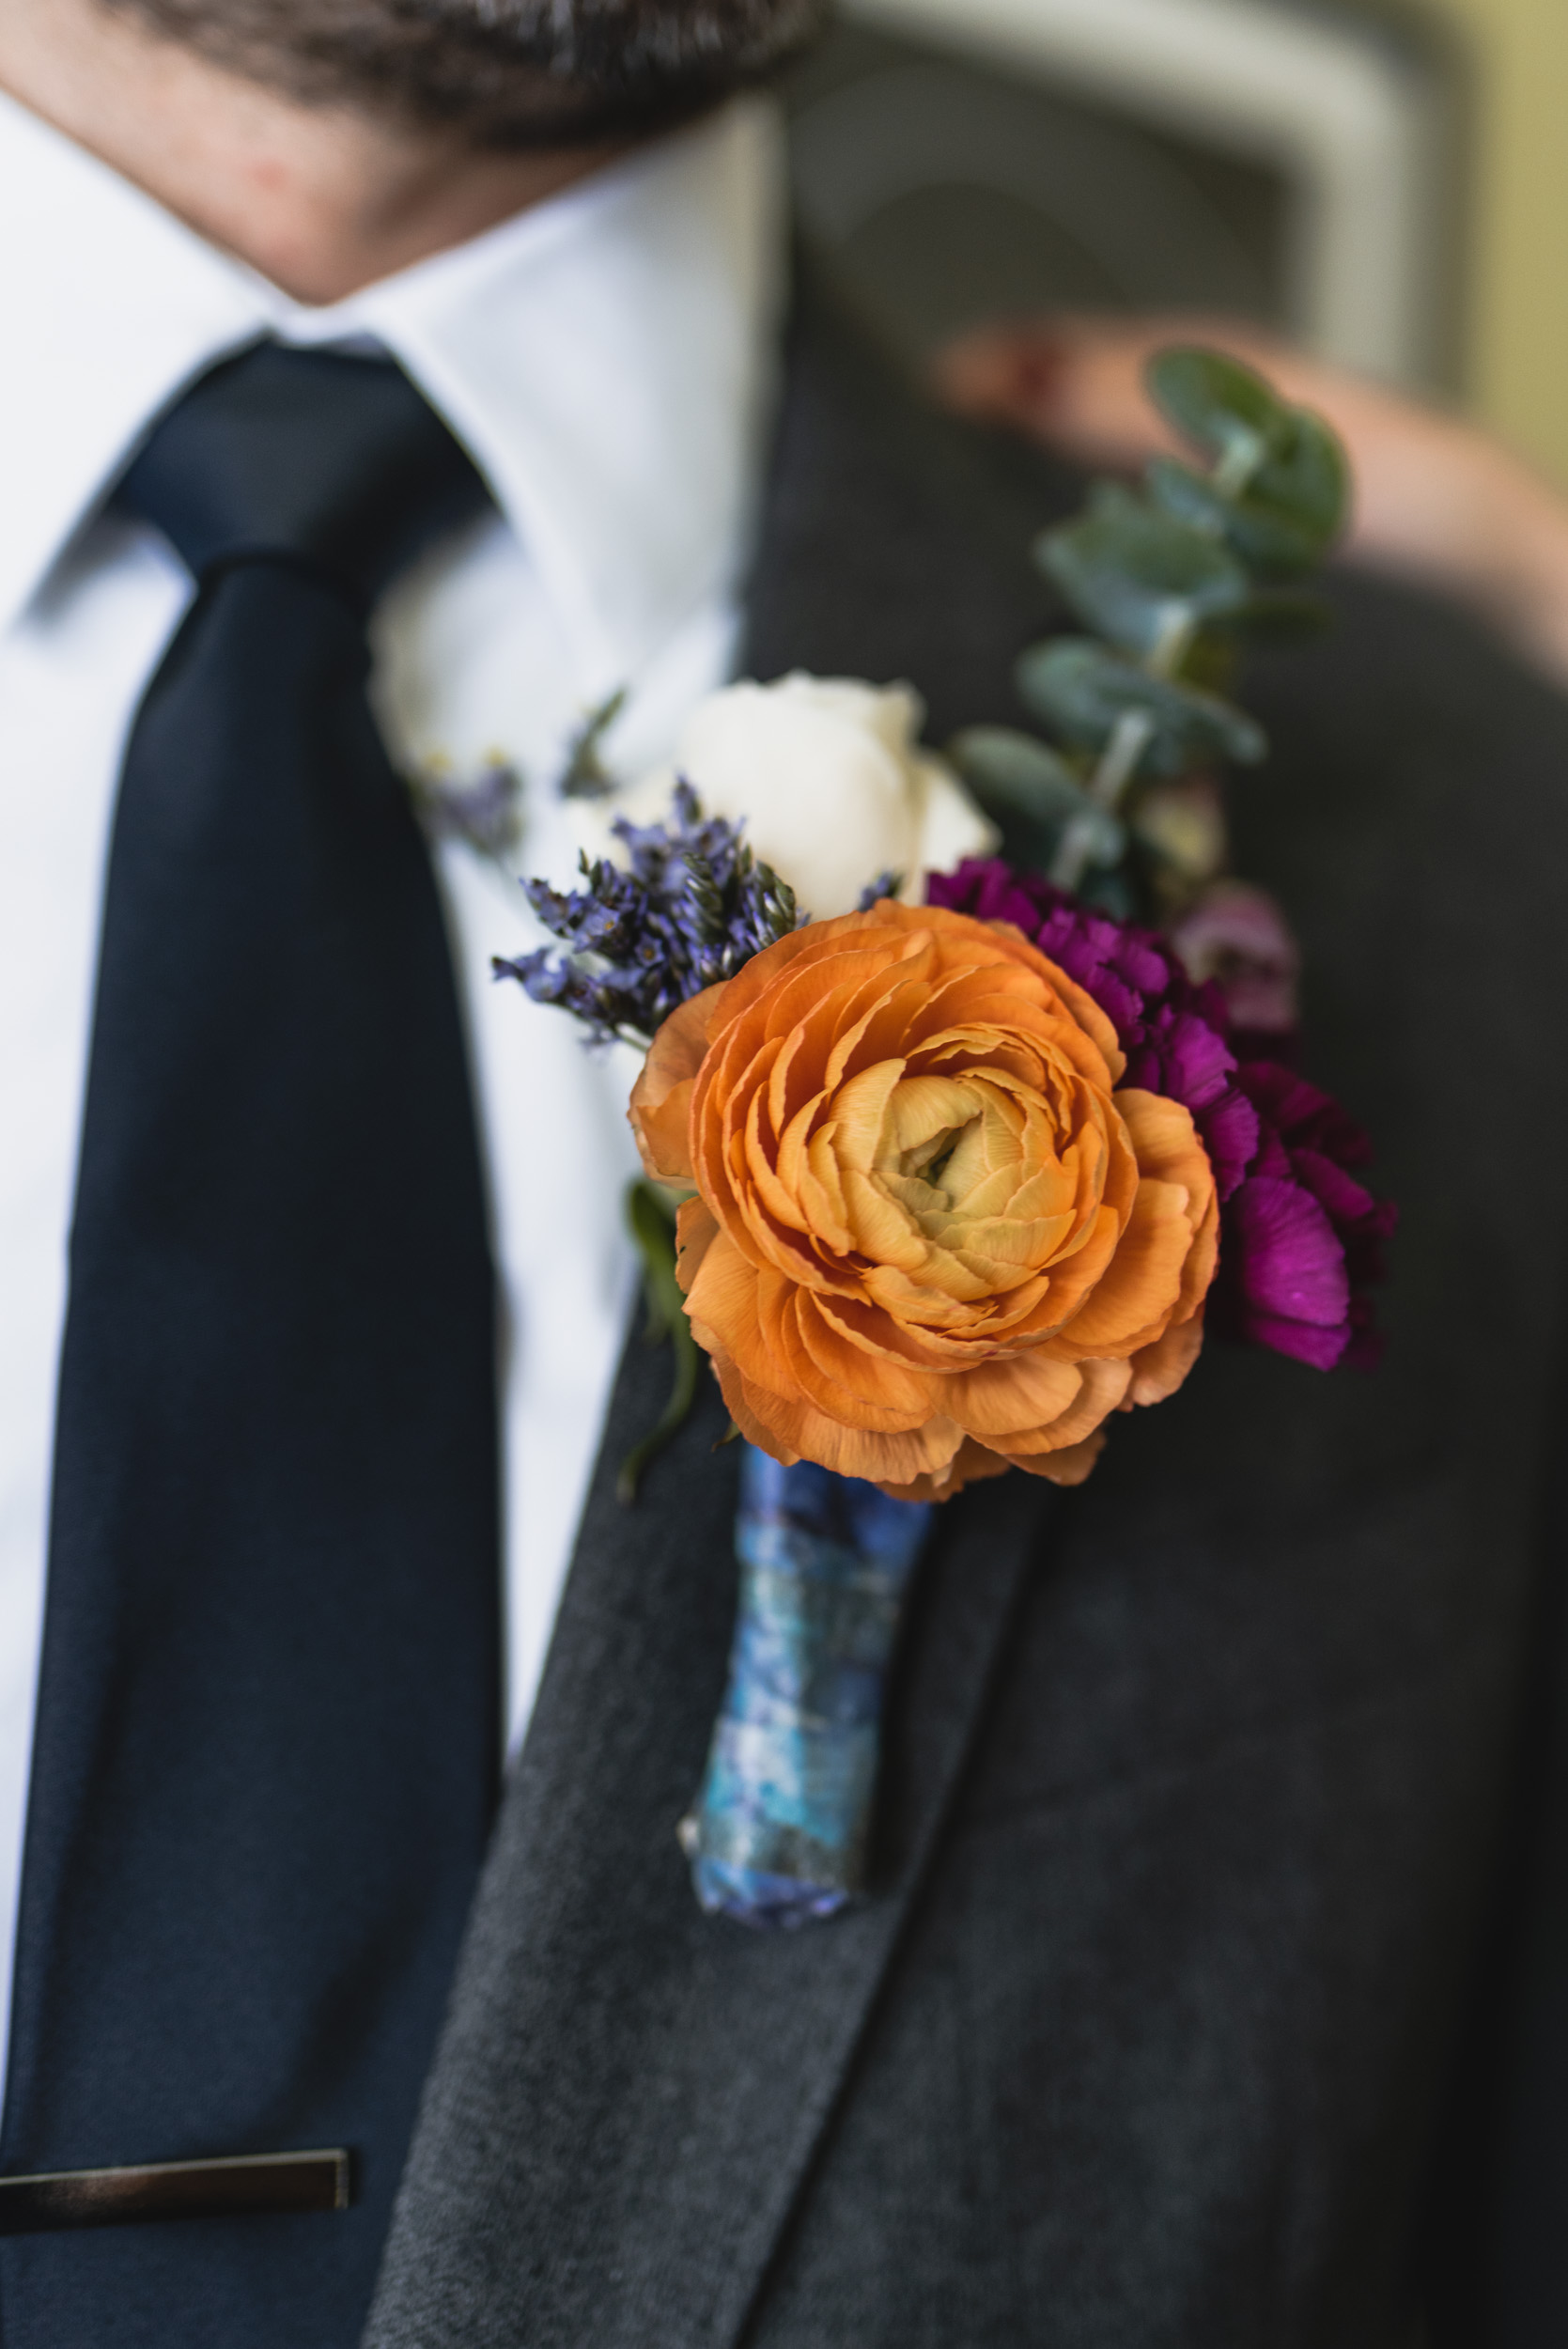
[501,74]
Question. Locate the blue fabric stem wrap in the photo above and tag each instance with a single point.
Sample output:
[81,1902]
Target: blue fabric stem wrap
[779,1833]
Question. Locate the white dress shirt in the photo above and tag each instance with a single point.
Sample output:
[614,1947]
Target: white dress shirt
[608,360]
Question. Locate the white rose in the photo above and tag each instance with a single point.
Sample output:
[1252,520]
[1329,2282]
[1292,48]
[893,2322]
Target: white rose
[832,782]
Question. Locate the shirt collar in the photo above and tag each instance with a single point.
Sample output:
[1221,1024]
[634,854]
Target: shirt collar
[607,358]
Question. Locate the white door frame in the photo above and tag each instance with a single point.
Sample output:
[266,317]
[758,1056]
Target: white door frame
[1350,123]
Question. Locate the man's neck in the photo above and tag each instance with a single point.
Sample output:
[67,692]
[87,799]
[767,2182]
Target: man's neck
[320,200]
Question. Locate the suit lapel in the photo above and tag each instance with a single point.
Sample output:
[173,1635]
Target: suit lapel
[629,2093]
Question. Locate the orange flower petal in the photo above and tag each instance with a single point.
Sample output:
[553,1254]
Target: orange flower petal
[1066,1468]
[874,1396]
[696,1229]
[1141,1285]
[854,1369]
[931,1239]
[794,1431]
[1102,1386]
[1147,1285]
[1011,1394]
[721,1301]
[971,1464]
[660,1109]
[1159,1370]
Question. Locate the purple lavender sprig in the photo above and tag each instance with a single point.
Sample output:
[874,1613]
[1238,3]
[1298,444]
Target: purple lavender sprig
[688,909]
[485,811]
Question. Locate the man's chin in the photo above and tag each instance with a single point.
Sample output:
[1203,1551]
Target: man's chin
[504,73]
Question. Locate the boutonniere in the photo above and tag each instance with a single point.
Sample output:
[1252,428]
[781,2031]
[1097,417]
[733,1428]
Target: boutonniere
[945,1178]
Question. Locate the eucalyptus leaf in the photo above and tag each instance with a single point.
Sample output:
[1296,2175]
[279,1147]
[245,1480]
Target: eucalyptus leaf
[1268,543]
[1034,796]
[1083,690]
[1139,574]
[1221,404]
[1288,514]
[1007,769]
[1306,480]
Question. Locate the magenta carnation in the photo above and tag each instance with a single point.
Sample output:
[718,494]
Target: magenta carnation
[1300,1237]
[1301,1242]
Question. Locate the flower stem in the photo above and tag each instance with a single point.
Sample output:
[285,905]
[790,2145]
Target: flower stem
[650,1218]
[1244,455]
[1129,739]
[779,1829]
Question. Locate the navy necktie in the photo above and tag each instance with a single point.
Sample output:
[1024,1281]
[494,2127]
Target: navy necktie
[266,1750]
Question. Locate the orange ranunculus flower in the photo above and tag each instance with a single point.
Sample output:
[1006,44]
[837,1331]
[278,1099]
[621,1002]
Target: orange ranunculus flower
[930,1239]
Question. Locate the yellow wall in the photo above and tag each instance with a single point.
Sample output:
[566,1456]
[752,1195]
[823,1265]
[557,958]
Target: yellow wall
[1517,314]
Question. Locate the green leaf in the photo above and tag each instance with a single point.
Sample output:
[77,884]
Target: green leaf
[1282,469]
[1306,481]
[1083,690]
[584,776]
[1007,769]
[1034,795]
[1290,511]
[1217,401]
[650,1213]
[1270,544]
[1139,574]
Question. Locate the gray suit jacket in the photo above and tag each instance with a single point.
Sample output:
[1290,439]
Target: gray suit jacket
[1200,1781]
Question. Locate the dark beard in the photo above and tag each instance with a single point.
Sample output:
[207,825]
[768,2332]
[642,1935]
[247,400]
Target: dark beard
[501,73]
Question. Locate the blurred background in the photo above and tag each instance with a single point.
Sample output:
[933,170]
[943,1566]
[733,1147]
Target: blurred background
[1386,180]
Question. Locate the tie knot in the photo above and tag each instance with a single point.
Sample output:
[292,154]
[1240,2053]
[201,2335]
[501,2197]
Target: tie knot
[304,454]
